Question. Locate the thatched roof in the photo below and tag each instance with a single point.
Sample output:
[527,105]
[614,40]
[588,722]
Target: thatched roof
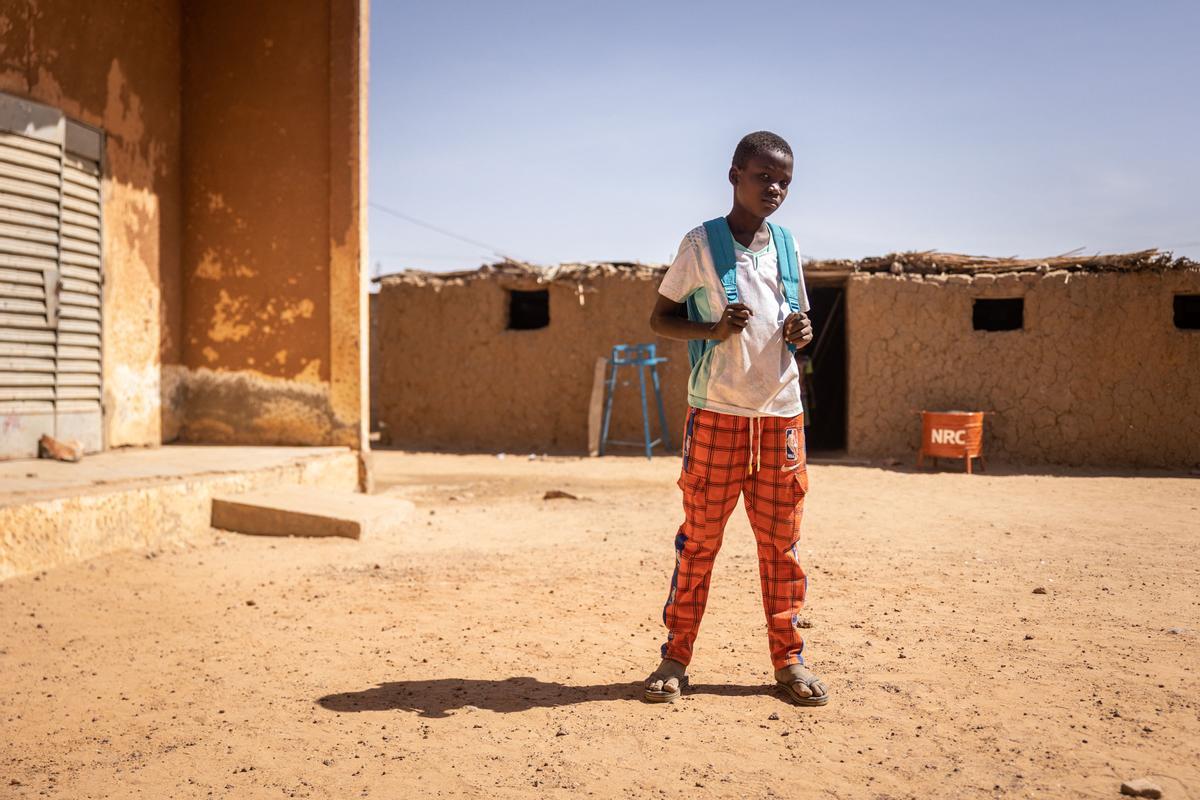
[561,273]
[927,262]
[933,262]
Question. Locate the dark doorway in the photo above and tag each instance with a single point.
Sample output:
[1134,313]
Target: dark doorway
[825,387]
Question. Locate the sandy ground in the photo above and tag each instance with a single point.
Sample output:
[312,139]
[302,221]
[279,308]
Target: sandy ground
[495,648]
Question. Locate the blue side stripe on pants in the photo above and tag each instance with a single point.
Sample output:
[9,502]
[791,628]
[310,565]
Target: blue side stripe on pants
[687,438]
[680,541]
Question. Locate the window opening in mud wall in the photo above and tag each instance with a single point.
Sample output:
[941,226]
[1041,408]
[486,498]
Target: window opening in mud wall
[1007,314]
[1187,312]
[528,311]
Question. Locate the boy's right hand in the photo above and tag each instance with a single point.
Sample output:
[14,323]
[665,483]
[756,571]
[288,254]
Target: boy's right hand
[735,317]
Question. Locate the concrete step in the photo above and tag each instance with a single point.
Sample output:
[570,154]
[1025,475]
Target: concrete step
[309,511]
[54,513]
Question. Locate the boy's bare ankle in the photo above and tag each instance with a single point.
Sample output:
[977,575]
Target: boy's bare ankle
[669,666]
[796,670]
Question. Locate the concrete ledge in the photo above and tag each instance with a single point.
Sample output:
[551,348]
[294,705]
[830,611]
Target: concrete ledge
[304,511]
[52,514]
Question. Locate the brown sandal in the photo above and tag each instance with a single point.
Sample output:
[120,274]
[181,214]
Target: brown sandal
[662,695]
[812,700]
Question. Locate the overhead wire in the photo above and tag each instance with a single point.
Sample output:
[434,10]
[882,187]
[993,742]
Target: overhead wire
[493,249]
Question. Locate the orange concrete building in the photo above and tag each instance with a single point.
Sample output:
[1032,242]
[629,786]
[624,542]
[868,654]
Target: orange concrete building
[182,192]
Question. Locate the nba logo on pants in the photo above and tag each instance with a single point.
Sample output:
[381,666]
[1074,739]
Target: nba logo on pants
[793,445]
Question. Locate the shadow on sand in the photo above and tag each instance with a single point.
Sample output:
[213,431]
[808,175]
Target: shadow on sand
[437,698]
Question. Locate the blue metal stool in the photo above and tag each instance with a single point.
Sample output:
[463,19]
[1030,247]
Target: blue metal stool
[642,356]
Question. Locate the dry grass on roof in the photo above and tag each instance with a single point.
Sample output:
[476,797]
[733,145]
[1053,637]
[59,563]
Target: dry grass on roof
[933,262]
[559,273]
[925,262]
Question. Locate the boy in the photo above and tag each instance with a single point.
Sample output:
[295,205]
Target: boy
[736,294]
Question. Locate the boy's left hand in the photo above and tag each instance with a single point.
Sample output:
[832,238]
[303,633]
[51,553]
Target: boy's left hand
[797,330]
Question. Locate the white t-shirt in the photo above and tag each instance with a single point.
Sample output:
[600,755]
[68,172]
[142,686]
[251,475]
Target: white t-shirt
[752,373]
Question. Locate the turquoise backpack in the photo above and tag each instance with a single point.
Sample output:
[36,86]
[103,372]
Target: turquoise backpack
[720,244]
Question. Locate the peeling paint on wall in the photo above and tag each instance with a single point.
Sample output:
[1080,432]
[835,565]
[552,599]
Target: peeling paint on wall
[274,153]
[348,397]
[119,73]
[256,188]
[227,323]
[348,357]
[257,181]
[133,395]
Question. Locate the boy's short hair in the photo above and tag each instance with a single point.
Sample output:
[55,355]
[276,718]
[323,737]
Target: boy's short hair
[757,143]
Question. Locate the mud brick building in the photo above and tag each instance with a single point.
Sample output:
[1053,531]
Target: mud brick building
[1080,360]
[503,358]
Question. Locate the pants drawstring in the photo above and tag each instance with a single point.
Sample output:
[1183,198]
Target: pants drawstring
[758,450]
[756,434]
[750,465]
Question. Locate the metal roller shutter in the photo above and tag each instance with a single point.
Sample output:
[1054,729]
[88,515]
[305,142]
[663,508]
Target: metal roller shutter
[50,279]
[77,386]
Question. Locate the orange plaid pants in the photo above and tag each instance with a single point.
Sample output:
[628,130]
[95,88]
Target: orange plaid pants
[763,459]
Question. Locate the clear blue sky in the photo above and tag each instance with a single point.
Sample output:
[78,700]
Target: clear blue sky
[579,131]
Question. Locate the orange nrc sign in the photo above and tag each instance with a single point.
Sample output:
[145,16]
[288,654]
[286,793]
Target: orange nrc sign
[951,434]
[948,436]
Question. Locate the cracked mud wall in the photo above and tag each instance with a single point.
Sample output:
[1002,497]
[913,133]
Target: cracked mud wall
[116,66]
[274,101]
[451,377]
[1099,375]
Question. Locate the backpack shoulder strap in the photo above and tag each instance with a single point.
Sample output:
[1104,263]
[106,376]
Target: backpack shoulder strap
[720,244]
[789,268]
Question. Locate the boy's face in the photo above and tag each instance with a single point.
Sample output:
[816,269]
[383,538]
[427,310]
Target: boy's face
[761,186]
